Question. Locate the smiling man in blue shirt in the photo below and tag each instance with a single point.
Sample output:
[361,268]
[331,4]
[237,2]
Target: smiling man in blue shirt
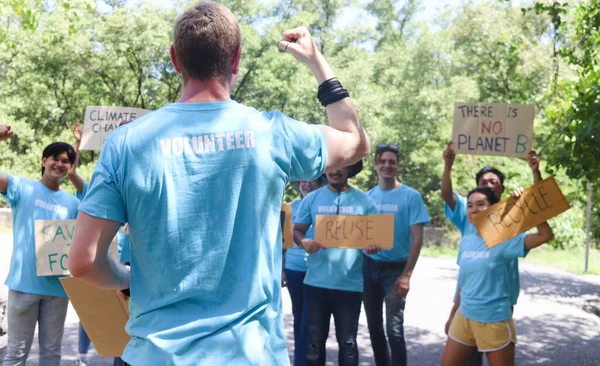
[200,183]
[32,299]
[387,273]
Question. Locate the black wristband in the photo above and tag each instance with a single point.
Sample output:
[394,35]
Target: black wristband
[331,91]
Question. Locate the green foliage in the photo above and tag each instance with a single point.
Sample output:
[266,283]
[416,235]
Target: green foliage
[57,57]
[574,134]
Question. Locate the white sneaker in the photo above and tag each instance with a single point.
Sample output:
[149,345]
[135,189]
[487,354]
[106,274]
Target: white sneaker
[83,359]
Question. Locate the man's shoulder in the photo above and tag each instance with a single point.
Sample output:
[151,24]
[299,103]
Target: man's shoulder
[70,198]
[373,191]
[410,190]
[363,196]
[316,194]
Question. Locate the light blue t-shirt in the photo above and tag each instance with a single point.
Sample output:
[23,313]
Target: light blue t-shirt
[295,258]
[332,268]
[31,200]
[408,208]
[484,275]
[201,187]
[459,218]
[123,245]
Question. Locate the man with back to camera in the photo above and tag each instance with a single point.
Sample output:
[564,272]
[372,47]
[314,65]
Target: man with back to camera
[387,273]
[200,183]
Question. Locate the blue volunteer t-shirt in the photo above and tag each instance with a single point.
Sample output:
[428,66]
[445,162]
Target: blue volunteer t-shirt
[332,268]
[201,187]
[31,200]
[483,277]
[459,218]
[408,208]
[295,258]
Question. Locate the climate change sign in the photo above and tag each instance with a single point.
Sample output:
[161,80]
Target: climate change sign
[100,122]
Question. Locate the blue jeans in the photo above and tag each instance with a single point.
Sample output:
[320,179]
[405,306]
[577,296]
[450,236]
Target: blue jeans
[321,303]
[24,312]
[83,343]
[295,285]
[379,283]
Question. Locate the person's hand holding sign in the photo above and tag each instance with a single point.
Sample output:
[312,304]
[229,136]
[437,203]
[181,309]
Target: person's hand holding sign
[534,163]
[373,249]
[449,155]
[77,131]
[311,246]
[517,193]
[5,132]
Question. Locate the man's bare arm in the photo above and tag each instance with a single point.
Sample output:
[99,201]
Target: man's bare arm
[89,258]
[347,141]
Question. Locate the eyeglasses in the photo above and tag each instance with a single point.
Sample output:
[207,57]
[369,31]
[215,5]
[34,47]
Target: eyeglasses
[393,148]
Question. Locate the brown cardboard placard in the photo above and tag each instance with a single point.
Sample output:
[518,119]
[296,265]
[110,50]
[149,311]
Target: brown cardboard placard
[355,231]
[101,121]
[102,313]
[493,129]
[287,234]
[52,244]
[510,217]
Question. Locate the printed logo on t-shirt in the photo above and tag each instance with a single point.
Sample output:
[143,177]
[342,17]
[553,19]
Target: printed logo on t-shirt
[209,143]
[51,207]
[475,254]
[387,208]
[340,210]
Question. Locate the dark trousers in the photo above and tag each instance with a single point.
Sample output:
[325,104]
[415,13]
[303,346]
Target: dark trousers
[321,303]
[295,285]
[379,283]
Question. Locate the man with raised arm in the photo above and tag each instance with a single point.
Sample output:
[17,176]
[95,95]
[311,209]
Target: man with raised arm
[200,183]
[36,300]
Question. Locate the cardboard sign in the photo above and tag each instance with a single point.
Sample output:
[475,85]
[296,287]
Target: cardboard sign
[100,122]
[355,231]
[287,231]
[493,129]
[52,244]
[102,314]
[510,217]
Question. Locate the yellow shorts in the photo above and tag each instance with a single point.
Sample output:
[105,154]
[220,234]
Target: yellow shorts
[487,337]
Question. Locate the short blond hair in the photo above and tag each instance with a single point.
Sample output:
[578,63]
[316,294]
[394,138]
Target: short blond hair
[206,37]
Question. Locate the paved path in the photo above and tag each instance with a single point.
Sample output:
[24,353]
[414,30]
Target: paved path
[554,322]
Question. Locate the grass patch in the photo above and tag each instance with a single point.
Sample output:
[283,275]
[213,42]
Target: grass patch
[572,260]
[446,251]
